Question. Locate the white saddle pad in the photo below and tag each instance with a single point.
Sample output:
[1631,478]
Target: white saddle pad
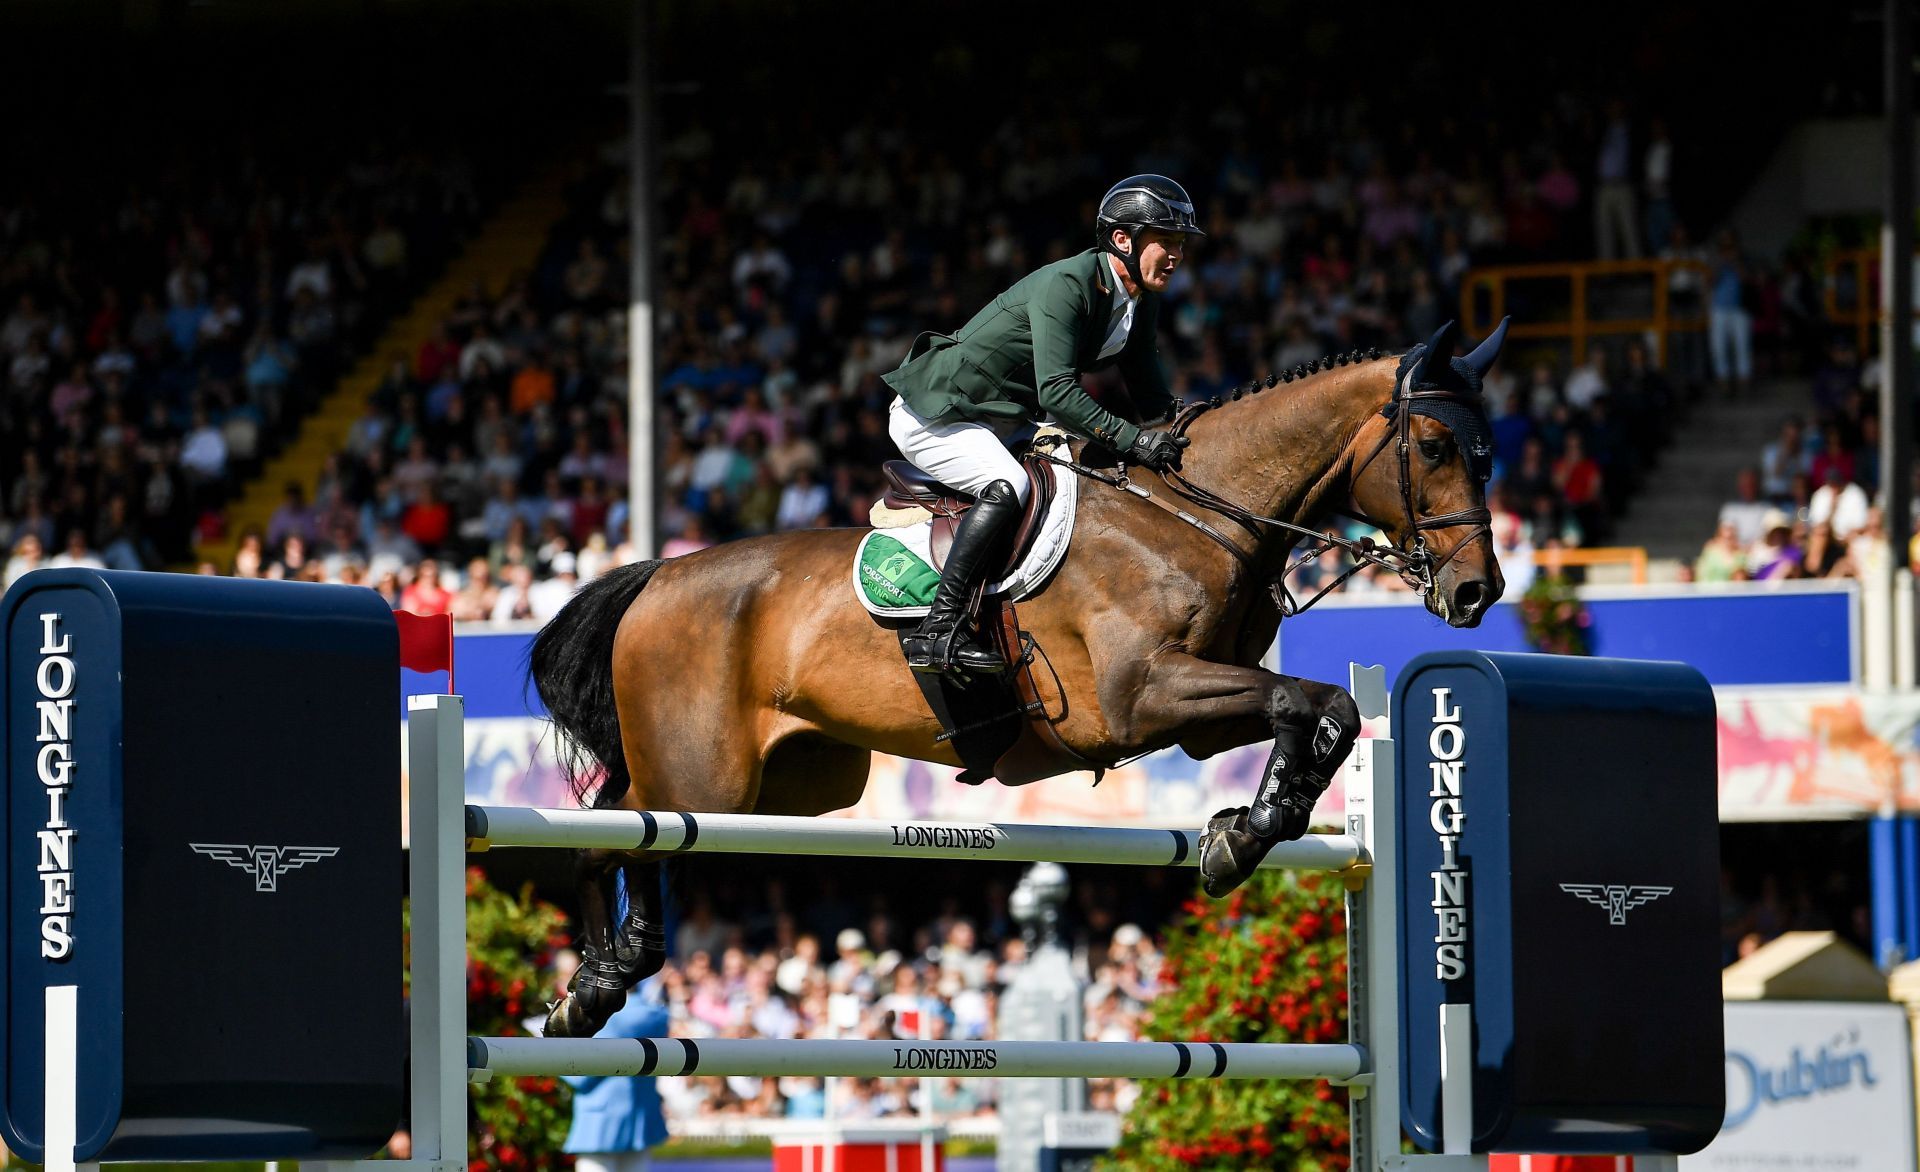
[893,574]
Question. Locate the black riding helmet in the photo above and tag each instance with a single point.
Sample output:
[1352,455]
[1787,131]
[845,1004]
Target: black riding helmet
[1144,201]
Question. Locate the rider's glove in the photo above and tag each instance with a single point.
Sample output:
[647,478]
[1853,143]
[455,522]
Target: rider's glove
[1158,450]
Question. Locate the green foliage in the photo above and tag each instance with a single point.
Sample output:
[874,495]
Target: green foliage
[1266,964]
[518,1123]
[1556,620]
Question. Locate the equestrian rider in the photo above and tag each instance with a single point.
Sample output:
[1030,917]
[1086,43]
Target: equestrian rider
[964,397]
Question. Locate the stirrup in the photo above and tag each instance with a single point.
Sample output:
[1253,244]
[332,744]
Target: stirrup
[943,650]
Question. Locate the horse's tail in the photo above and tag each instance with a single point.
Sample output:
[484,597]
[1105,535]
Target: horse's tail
[571,666]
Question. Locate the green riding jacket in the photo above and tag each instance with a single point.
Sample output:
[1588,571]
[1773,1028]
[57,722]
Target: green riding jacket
[1022,356]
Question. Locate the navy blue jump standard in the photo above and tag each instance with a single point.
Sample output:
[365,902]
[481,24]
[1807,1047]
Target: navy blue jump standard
[203,835]
[1560,871]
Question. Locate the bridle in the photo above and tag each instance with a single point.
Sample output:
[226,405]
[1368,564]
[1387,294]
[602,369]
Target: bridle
[1415,564]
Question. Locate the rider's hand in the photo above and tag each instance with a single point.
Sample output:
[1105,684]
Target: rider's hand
[1158,450]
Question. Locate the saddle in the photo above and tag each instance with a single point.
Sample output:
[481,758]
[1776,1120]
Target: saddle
[909,488]
[1001,726]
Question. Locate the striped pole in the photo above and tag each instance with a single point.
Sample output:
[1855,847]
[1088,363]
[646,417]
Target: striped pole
[622,1057]
[518,826]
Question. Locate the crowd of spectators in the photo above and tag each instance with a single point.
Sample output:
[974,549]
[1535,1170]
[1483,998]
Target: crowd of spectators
[1811,504]
[159,358]
[772,978]
[162,337]
[488,476]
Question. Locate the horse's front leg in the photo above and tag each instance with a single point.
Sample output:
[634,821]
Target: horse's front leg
[610,964]
[1313,725]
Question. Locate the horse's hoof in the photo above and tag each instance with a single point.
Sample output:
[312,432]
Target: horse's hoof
[1229,852]
[562,1019]
[582,1012]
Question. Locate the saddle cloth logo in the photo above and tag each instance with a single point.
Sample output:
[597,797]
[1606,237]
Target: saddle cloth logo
[265,863]
[1616,898]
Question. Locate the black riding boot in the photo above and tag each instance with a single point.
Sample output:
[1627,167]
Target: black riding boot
[945,641]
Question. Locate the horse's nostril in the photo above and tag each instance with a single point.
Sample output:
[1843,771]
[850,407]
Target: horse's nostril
[1470,597]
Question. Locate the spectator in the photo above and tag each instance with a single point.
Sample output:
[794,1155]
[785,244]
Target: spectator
[1724,557]
[1588,382]
[204,454]
[28,555]
[1839,503]
[1728,322]
[475,600]
[802,502]
[75,553]
[1656,173]
[292,518]
[428,521]
[616,1120]
[425,594]
[1747,512]
[1778,555]
[550,594]
[1615,224]
[1781,461]
[514,602]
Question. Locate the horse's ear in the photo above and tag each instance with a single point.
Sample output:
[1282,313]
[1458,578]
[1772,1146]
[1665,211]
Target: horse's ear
[1438,354]
[1483,356]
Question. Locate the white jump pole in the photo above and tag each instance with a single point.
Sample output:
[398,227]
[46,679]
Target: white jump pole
[858,1058]
[514,826]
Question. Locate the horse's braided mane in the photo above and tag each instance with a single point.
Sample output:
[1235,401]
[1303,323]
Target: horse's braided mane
[1303,370]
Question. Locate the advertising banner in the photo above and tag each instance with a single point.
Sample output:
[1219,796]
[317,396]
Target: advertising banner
[1814,1085]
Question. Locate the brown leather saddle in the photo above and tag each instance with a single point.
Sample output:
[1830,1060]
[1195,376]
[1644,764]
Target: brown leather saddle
[907,487]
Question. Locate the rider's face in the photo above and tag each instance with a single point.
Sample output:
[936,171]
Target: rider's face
[1160,254]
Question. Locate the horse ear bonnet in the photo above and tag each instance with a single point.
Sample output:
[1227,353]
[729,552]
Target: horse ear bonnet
[1466,415]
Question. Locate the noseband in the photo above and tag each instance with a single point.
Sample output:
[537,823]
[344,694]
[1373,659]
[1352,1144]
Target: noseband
[1415,564]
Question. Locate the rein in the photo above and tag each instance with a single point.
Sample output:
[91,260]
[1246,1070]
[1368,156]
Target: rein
[1415,565]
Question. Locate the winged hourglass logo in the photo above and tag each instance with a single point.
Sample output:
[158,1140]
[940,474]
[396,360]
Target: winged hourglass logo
[265,863]
[1616,898]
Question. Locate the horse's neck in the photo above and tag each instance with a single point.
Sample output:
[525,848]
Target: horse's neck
[1282,452]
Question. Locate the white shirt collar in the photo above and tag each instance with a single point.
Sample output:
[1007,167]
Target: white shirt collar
[1119,286]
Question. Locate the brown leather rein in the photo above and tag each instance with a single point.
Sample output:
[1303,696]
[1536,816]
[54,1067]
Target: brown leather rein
[1415,565]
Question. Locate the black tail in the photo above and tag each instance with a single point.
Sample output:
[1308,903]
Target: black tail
[571,666]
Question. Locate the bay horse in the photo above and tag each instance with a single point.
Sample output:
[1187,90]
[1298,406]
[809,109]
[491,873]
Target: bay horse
[746,678]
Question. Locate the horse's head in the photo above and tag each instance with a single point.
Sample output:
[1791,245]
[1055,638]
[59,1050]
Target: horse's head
[1421,468]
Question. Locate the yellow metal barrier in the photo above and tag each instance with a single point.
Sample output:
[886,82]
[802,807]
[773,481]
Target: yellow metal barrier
[1599,555]
[1579,327]
[1863,316]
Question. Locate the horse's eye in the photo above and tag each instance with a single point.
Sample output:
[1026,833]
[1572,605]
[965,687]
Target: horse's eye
[1433,449]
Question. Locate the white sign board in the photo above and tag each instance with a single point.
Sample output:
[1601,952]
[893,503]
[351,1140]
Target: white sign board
[1814,1085]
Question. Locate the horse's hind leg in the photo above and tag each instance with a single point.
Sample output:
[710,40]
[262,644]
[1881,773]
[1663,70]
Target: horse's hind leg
[610,962]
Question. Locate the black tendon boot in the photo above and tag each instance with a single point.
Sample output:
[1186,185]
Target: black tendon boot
[945,642]
[1236,840]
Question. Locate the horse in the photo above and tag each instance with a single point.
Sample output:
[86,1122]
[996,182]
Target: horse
[746,678]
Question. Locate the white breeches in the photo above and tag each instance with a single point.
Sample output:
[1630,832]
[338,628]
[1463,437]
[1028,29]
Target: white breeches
[963,455]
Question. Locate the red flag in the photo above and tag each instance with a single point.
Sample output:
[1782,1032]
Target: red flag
[426,642]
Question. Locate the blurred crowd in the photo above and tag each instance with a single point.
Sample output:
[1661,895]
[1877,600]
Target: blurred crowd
[488,475]
[943,981]
[1811,505]
[161,338]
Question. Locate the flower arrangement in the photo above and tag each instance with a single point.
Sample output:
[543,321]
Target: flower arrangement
[1556,621]
[518,1124]
[1267,964]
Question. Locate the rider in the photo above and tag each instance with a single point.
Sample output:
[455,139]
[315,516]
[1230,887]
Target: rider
[964,397]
